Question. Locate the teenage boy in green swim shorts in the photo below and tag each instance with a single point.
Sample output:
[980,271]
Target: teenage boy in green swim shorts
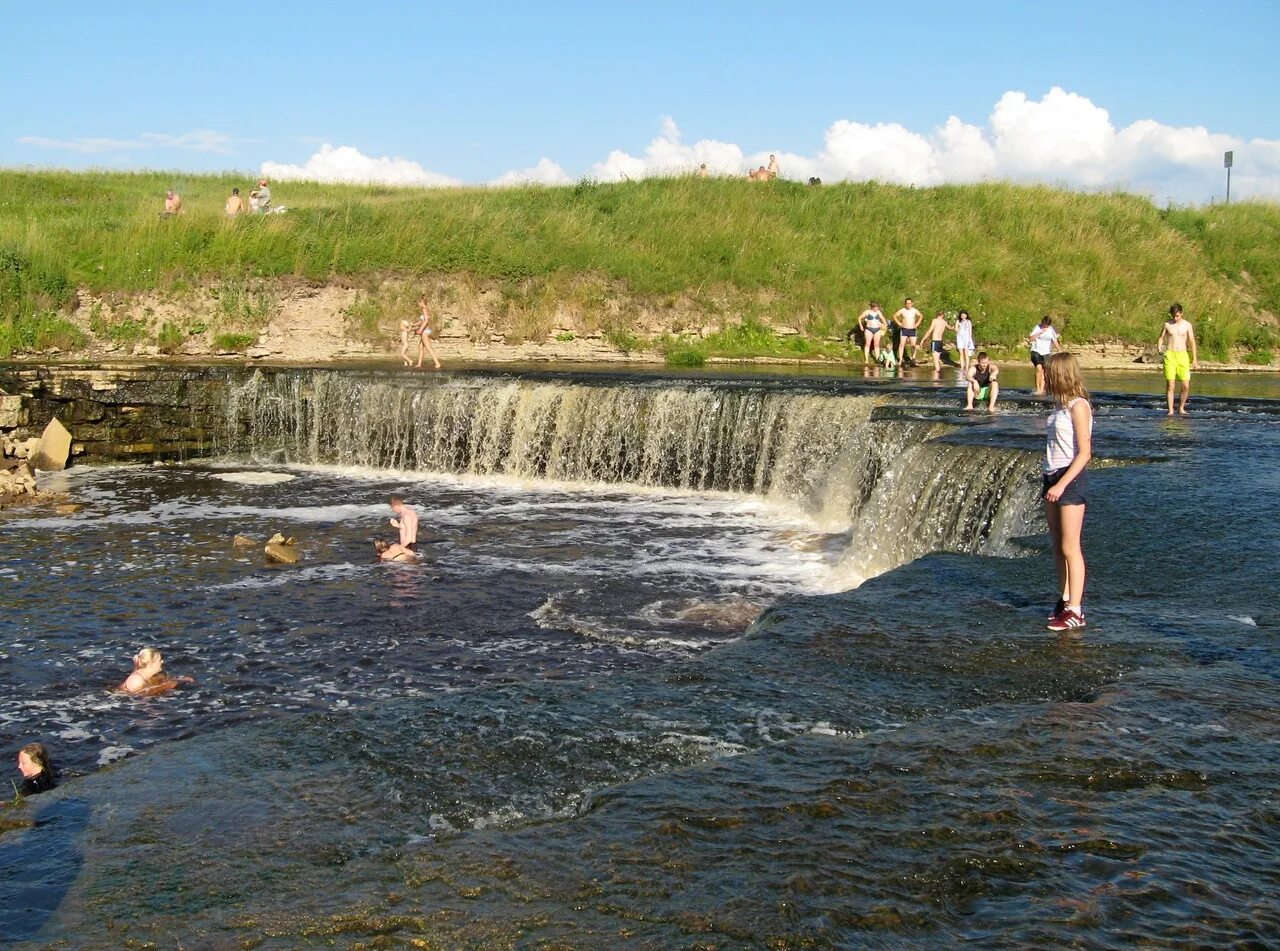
[1175,339]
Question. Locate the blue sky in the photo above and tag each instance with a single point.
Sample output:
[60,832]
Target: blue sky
[469,92]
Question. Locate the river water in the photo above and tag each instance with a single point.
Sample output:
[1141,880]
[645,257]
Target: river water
[708,664]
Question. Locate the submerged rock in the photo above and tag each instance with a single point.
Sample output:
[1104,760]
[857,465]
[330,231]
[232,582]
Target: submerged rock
[243,541]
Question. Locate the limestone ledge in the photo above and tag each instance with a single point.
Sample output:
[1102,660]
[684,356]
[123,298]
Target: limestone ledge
[117,413]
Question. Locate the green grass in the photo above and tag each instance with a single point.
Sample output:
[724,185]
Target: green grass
[717,252]
[235,341]
[35,332]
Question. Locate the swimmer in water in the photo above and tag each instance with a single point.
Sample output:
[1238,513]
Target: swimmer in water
[37,770]
[149,678]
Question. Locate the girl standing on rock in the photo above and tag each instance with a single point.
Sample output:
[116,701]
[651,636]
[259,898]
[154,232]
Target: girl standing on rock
[1068,449]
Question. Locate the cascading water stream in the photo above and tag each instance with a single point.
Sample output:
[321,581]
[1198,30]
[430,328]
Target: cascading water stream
[895,488]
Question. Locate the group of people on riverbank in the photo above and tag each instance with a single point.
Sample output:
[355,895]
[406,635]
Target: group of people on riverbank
[1176,343]
[259,202]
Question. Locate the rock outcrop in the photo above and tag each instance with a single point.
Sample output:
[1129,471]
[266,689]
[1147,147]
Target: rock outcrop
[54,448]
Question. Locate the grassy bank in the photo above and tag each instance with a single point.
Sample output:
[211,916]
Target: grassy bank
[731,255]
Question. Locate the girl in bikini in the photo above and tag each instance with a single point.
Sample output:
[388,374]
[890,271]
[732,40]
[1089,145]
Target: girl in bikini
[871,321]
[423,330]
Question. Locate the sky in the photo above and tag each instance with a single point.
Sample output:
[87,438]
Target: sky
[1134,95]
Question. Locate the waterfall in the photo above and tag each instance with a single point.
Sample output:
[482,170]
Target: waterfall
[889,483]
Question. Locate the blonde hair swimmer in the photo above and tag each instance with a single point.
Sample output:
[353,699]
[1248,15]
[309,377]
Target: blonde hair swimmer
[149,678]
[36,768]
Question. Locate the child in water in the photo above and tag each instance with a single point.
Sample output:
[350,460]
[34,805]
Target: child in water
[149,678]
[1068,449]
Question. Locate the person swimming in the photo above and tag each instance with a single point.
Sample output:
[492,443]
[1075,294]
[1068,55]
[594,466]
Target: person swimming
[37,770]
[149,677]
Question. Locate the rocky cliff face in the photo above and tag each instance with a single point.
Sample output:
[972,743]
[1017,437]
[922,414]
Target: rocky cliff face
[117,414]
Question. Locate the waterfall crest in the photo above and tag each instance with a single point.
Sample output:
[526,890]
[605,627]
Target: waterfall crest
[890,484]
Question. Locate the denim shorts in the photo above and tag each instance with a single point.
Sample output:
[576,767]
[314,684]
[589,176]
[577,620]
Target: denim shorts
[1076,492]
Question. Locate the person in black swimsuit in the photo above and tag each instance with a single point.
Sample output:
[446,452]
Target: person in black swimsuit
[36,768]
[982,382]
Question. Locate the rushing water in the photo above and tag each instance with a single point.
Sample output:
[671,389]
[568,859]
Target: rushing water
[573,726]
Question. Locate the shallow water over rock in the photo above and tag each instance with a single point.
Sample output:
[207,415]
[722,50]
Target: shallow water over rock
[657,716]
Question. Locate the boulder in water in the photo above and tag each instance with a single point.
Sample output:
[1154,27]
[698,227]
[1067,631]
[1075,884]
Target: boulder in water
[243,541]
[68,508]
[283,550]
[54,448]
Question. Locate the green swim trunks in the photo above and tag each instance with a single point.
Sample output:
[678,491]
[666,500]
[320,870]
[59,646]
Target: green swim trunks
[1177,365]
[984,393]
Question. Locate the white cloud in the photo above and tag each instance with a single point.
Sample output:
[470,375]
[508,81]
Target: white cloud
[667,155]
[197,140]
[1062,138]
[347,164]
[546,172]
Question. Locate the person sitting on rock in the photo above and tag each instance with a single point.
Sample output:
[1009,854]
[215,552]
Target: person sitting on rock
[149,678]
[36,768]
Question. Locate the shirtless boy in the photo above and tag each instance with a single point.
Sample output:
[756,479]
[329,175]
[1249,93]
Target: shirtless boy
[982,382]
[908,320]
[172,203]
[933,337]
[1178,363]
[406,521]
[235,204]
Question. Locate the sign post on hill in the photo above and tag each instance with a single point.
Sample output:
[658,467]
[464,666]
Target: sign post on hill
[1227,158]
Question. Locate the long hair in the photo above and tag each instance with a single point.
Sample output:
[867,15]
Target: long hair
[1062,378]
[39,754]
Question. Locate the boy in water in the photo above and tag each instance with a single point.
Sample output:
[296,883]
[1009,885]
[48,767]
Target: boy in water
[933,337]
[908,320]
[1044,341]
[1178,364]
[983,382]
[406,521]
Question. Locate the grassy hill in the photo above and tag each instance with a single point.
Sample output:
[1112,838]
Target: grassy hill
[729,253]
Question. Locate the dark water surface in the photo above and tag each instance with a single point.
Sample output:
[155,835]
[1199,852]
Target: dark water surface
[565,730]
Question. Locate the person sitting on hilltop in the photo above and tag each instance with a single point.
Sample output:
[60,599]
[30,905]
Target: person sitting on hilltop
[172,204]
[702,170]
[235,204]
[260,198]
[774,168]
[37,770]
[149,678]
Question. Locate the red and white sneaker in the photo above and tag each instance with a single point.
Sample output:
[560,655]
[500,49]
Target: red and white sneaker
[1068,620]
